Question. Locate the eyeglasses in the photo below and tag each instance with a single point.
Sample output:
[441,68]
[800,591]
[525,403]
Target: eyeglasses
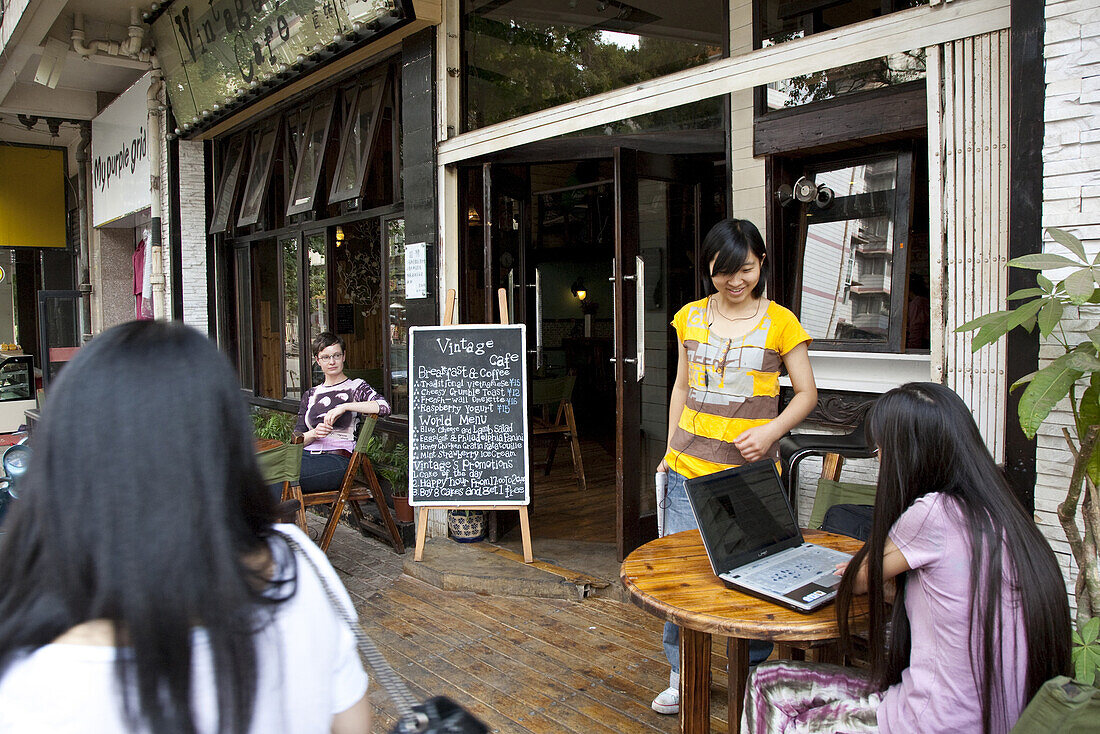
[330,357]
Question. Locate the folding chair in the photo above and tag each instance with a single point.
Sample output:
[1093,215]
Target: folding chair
[352,491]
[554,395]
[283,465]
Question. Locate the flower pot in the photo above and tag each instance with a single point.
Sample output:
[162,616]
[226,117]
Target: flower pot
[402,510]
[466,526]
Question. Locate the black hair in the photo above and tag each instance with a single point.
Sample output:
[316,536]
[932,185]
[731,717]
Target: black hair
[143,505]
[928,442]
[731,241]
[326,339]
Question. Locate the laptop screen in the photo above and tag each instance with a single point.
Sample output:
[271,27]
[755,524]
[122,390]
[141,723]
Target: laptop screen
[743,514]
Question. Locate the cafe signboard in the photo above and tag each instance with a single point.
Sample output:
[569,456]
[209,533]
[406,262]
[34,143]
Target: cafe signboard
[217,54]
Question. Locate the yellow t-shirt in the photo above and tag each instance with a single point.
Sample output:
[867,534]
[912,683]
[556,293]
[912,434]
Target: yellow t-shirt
[733,385]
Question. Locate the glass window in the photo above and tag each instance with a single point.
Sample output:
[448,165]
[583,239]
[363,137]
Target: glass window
[886,71]
[311,157]
[397,329]
[860,262]
[267,321]
[227,186]
[357,137]
[243,304]
[263,153]
[778,21]
[522,57]
[317,253]
[291,336]
[358,299]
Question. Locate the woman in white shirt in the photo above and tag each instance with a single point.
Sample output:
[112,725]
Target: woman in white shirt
[143,586]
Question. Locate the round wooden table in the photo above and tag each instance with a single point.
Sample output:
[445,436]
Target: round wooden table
[671,577]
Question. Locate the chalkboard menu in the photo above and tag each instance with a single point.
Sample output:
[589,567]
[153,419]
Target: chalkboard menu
[468,415]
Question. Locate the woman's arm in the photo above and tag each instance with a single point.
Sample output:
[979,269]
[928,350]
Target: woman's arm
[755,442]
[678,400]
[893,563]
[355,720]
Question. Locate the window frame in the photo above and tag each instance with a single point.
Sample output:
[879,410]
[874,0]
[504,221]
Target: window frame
[789,257]
[321,111]
[259,134]
[355,191]
[228,183]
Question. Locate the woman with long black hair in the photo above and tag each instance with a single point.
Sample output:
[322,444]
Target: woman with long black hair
[144,585]
[979,616]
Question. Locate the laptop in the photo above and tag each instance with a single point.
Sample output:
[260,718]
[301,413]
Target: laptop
[753,540]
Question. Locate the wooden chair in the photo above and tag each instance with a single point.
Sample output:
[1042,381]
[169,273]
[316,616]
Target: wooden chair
[353,490]
[282,464]
[554,395]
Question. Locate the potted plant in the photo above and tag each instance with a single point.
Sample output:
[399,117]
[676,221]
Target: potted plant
[273,424]
[1050,306]
[391,464]
[466,526]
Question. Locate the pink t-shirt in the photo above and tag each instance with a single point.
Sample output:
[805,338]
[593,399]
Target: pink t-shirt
[939,691]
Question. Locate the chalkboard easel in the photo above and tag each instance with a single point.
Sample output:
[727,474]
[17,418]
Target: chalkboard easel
[422,511]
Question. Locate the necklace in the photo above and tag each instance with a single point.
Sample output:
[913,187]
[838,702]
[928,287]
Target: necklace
[718,308]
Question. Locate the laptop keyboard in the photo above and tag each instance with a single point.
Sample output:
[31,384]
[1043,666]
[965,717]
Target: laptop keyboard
[791,570]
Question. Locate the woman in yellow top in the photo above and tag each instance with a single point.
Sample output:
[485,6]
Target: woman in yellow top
[724,409]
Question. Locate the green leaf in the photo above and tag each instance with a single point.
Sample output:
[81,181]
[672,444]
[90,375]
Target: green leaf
[1026,293]
[997,317]
[1080,285]
[1045,283]
[1049,316]
[1090,631]
[1024,312]
[1088,414]
[987,335]
[1023,380]
[1084,361]
[1094,336]
[1050,384]
[1068,241]
[1042,261]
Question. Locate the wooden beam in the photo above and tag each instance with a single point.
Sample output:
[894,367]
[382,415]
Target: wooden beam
[881,112]
[894,33]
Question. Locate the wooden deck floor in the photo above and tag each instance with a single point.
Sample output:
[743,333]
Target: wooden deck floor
[520,664]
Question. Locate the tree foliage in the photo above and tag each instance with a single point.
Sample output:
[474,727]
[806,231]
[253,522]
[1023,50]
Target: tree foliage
[1074,373]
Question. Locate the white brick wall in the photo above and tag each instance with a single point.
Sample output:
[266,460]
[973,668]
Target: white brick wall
[193,221]
[1071,201]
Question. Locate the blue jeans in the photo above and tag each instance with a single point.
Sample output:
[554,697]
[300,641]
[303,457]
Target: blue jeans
[322,472]
[679,517]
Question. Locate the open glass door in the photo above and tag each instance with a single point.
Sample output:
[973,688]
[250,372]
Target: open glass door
[658,200]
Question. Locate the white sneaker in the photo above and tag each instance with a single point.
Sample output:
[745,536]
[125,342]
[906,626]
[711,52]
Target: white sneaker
[668,700]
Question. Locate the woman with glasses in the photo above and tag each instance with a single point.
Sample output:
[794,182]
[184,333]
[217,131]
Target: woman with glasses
[329,415]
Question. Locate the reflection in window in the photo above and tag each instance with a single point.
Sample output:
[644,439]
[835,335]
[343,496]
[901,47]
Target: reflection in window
[267,318]
[311,154]
[318,293]
[291,336]
[847,254]
[263,152]
[886,71]
[243,312]
[397,323]
[526,57]
[358,298]
[783,20]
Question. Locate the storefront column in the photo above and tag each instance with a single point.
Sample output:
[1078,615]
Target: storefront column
[192,202]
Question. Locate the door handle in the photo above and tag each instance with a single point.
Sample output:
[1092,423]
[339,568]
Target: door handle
[538,319]
[614,317]
[639,311]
